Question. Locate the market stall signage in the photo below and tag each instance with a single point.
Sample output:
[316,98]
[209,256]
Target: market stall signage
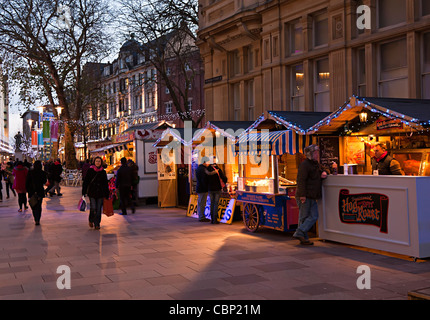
[225,208]
[364,208]
[257,198]
[123,137]
[388,124]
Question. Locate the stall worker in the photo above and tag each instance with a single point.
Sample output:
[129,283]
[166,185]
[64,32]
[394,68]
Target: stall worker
[383,162]
[309,186]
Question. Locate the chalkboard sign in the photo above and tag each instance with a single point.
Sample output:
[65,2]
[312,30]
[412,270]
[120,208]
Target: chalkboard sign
[329,150]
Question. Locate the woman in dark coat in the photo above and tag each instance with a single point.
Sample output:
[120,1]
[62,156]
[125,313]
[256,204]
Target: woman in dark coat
[36,179]
[96,187]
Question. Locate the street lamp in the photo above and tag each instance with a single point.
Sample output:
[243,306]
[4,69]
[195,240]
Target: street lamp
[59,109]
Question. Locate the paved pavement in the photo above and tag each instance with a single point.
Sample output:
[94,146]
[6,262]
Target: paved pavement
[161,254]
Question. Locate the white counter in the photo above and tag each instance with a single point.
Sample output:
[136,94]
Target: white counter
[389,213]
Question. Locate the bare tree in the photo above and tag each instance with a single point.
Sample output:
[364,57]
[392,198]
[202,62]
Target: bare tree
[166,28]
[50,41]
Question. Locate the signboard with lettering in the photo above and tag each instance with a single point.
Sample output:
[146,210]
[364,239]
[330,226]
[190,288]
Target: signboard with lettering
[389,124]
[257,198]
[225,208]
[364,208]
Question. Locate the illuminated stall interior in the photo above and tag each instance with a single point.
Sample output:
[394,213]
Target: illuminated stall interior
[402,124]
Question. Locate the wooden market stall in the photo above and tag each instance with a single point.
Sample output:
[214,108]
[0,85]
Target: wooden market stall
[387,213]
[269,159]
[136,143]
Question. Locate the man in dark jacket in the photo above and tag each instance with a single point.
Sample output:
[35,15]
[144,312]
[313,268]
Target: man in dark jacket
[309,183]
[384,163]
[124,179]
[215,185]
[202,174]
[55,171]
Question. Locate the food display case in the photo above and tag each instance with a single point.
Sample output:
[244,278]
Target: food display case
[414,162]
[268,199]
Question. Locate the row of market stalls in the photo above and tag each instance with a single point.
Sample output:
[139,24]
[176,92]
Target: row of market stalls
[261,159]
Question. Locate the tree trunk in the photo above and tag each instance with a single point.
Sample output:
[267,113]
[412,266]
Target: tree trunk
[69,148]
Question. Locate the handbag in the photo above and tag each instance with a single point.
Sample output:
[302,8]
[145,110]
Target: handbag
[82,205]
[108,207]
[34,199]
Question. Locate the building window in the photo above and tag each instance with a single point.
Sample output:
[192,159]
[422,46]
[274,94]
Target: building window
[425,7]
[235,63]
[275,46]
[322,85]
[426,67]
[168,107]
[297,88]
[393,69]
[250,58]
[391,12]
[294,37]
[236,101]
[250,89]
[361,72]
[320,29]
[266,48]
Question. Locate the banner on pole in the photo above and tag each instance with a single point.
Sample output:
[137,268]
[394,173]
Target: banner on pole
[46,131]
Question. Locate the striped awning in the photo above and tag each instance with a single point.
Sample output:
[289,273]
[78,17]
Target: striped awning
[273,143]
[110,148]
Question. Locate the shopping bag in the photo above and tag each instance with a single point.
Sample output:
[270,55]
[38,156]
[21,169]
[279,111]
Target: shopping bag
[108,207]
[82,205]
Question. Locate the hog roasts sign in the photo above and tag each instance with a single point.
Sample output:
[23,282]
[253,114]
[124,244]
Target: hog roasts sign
[364,208]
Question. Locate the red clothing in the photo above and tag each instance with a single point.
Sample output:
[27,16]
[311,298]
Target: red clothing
[20,174]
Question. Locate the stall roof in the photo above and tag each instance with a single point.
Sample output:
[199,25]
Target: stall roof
[273,142]
[229,129]
[183,135]
[412,112]
[151,126]
[111,148]
[299,121]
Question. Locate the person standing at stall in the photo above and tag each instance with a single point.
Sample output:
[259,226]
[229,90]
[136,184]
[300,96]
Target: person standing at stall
[202,174]
[383,162]
[309,185]
[215,185]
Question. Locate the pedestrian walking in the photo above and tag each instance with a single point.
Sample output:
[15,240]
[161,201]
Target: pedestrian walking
[35,181]
[8,178]
[19,181]
[134,181]
[124,177]
[95,185]
[216,182]
[55,170]
[309,185]
[85,168]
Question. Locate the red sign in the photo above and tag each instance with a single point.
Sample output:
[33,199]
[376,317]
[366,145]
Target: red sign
[388,124]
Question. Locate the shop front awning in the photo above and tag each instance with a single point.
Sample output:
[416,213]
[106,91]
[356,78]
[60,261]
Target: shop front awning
[273,143]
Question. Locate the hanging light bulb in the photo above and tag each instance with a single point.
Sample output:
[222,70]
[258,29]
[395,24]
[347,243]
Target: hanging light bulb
[363,115]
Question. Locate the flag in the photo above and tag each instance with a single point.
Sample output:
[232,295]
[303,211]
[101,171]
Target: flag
[54,131]
[40,138]
[34,138]
[46,131]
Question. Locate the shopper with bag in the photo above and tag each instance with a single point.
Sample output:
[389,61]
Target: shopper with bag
[19,181]
[216,183]
[36,178]
[96,187]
